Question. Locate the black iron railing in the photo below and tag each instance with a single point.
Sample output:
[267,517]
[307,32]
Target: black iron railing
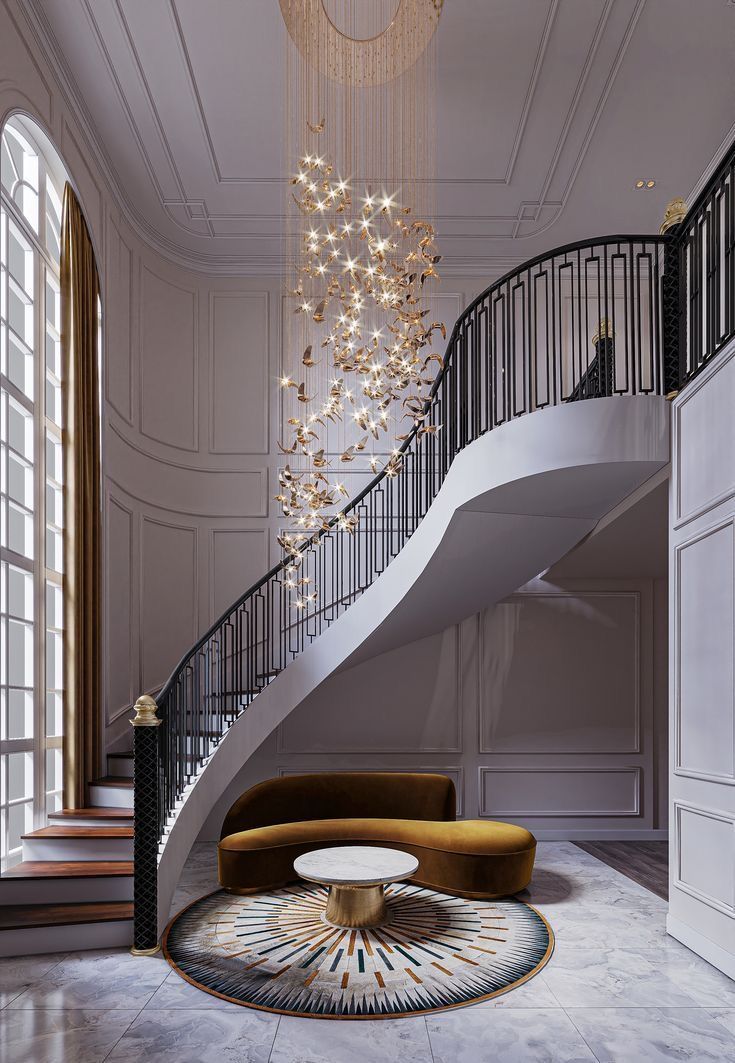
[704,244]
[581,322]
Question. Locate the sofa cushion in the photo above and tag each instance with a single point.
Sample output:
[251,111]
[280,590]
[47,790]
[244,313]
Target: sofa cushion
[475,858]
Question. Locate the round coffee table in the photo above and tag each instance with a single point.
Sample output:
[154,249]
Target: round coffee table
[356,875]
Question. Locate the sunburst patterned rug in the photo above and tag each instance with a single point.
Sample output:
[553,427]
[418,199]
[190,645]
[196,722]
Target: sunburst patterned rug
[276,952]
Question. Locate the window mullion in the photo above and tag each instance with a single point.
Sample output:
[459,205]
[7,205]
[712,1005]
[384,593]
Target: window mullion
[39,565]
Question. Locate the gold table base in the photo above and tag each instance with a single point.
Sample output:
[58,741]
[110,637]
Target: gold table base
[356,907]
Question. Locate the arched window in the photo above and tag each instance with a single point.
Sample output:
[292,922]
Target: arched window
[32,179]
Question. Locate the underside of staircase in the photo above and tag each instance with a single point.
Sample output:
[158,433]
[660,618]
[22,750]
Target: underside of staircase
[74,887]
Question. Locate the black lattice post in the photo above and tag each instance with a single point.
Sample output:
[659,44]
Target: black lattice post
[604,343]
[670,298]
[146,777]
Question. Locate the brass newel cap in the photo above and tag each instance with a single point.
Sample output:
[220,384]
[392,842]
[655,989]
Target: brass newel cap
[674,214]
[604,330]
[145,712]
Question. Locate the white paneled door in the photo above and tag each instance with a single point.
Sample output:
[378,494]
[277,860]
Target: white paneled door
[702,570]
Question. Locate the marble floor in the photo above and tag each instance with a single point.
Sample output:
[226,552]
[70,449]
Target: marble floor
[617,988]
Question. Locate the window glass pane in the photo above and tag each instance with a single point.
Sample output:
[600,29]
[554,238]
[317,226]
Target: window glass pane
[53,220]
[20,428]
[20,259]
[54,715]
[20,822]
[20,592]
[20,653]
[20,776]
[20,172]
[19,714]
[53,770]
[20,365]
[19,530]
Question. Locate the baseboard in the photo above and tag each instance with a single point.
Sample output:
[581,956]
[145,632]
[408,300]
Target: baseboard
[650,835]
[708,950]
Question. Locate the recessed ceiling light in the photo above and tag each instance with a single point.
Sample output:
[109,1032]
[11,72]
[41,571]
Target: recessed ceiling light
[648,183]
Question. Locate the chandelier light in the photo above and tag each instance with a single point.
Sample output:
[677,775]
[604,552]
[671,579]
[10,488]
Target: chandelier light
[359,338]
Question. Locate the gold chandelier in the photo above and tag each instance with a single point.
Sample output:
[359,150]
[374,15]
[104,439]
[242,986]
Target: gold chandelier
[358,333]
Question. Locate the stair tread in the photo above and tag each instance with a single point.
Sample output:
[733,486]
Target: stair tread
[121,756]
[94,812]
[27,916]
[70,869]
[113,780]
[60,831]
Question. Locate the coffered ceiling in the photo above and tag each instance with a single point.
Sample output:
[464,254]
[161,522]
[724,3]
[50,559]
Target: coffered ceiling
[548,111]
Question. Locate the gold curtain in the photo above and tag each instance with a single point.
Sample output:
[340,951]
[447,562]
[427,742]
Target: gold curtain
[82,515]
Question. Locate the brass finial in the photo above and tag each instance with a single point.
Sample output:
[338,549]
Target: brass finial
[145,712]
[674,214]
[604,330]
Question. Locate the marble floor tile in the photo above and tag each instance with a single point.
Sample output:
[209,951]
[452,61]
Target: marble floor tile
[96,980]
[534,993]
[20,972]
[620,1035]
[198,1037]
[609,978]
[176,993]
[725,1016]
[563,887]
[61,1036]
[599,926]
[523,1035]
[325,1041]
[708,987]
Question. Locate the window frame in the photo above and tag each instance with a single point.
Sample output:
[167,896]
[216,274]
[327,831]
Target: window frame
[45,269]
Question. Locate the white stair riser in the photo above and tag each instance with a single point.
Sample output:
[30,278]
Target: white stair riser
[120,766]
[90,821]
[111,796]
[71,938]
[78,849]
[65,890]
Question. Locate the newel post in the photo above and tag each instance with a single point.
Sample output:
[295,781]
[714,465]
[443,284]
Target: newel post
[671,308]
[146,782]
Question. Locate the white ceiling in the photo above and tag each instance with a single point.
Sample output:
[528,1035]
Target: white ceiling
[548,110]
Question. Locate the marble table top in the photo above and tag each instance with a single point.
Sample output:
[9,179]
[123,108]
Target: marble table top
[355,865]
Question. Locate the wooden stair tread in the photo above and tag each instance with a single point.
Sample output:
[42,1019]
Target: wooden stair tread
[28,916]
[113,780]
[60,831]
[70,869]
[95,812]
[120,756]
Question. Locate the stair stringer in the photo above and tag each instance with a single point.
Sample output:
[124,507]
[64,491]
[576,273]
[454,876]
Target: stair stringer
[535,487]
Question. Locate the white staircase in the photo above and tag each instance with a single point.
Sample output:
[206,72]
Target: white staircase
[73,888]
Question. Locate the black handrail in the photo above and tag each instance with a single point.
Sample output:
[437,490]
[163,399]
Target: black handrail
[705,247]
[531,340]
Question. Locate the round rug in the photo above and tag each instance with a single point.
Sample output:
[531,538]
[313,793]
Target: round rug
[274,951]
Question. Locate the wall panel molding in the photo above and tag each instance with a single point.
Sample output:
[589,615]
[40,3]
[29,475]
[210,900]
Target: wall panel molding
[713,708]
[118,600]
[254,383]
[718,869]
[155,389]
[712,432]
[577,595]
[597,773]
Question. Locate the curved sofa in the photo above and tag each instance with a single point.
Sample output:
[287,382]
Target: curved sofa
[276,821]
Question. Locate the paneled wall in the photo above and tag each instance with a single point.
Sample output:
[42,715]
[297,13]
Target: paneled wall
[548,709]
[702,740]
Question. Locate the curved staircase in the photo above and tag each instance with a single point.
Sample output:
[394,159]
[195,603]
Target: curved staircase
[547,412]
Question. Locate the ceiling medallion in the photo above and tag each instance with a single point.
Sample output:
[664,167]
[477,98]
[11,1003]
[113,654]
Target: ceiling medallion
[360,334]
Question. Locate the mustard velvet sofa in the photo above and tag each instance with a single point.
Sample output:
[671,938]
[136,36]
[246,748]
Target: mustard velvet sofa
[273,823]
